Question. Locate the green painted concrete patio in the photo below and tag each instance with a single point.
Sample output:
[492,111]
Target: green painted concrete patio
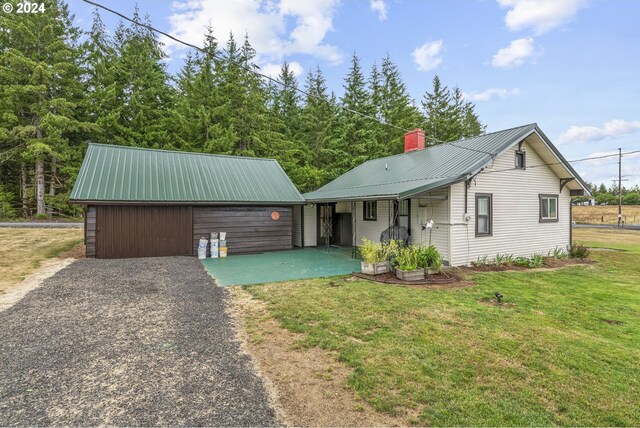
[279,266]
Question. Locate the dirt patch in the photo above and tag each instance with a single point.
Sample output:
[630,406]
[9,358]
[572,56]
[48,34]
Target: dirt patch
[47,268]
[493,302]
[453,278]
[77,252]
[549,264]
[613,322]
[308,386]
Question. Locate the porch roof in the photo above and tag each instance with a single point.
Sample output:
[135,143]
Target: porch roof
[409,174]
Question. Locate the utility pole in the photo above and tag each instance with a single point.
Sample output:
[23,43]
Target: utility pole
[619,186]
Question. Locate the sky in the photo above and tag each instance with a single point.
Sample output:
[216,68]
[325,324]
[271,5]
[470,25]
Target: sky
[572,66]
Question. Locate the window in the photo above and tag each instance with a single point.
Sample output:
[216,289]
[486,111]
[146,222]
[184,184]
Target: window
[548,208]
[403,208]
[520,159]
[370,212]
[484,214]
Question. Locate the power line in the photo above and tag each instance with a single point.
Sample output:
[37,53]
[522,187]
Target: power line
[560,163]
[244,67]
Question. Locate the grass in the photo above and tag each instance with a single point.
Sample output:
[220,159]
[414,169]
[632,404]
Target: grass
[608,213]
[563,352]
[23,250]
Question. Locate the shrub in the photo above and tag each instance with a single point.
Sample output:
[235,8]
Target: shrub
[371,252]
[481,261]
[408,258]
[521,261]
[536,260]
[501,259]
[430,258]
[579,251]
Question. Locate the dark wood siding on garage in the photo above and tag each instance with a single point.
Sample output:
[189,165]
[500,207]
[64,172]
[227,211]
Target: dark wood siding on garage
[90,230]
[124,231]
[249,229]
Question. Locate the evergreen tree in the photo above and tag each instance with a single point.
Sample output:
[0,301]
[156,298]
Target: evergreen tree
[396,107]
[448,117]
[143,113]
[41,88]
[355,132]
[317,120]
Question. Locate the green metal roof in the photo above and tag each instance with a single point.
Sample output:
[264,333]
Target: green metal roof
[408,174]
[129,174]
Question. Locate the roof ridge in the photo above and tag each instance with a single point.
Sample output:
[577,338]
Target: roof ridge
[147,149]
[451,143]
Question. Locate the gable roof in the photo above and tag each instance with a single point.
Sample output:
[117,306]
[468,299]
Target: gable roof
[130,174]
[409,174]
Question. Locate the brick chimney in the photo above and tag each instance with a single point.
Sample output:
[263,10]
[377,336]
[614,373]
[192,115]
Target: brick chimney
[414,140]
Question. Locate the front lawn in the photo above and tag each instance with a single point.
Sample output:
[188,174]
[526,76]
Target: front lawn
[564,352]
[23,249]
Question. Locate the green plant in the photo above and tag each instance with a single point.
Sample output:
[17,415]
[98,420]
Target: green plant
[579,251]
[482,261]
[41,216]
[430,258]
[408,258]
[536,260]
[390,250]
[371,252]
[521,261]
[559,253]
[500,259]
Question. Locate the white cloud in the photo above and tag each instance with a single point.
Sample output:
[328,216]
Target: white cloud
[613,128]
[380,7]
[491,93]
[604,170]
[427,57]
[516,53]
[539,15]
[276,28]
[273,69]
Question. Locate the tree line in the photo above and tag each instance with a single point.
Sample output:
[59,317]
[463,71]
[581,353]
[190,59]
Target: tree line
[604,195]
[61,88]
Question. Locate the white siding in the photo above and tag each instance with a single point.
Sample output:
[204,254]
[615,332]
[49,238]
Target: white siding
[297,226]
[516,226]
[425,209]
[310,226]
[371,229]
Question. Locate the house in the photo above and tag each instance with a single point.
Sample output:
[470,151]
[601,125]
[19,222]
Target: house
[144,202]
[506,192]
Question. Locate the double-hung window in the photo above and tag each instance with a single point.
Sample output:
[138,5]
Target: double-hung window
[548,208]
[521,159]
[370,212]
[484,214]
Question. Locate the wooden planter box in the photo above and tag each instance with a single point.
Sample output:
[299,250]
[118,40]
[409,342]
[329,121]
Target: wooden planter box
[374,268]
[410,275]
[431,271]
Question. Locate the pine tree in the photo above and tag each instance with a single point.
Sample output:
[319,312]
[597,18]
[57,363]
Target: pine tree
[40,83]
[143,112]
[317,121]
[355,132]
[448,117]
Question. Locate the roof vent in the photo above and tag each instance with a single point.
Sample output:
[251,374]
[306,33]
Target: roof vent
[414,140]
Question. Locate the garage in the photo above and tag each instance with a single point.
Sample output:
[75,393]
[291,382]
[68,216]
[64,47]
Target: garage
[153,203]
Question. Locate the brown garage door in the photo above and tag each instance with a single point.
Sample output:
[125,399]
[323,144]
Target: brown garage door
[249,229]
[143,231]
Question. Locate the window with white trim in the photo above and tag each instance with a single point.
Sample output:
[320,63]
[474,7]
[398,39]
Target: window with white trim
[484,214]
[548,208]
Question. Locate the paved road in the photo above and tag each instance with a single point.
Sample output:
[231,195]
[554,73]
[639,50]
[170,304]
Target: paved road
[606,226]
[42,224]
[127,342]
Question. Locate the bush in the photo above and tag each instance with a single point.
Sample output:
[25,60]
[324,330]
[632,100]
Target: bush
[375,253]
[579,251]
[408,258]
[536,260]
[430,258]
[521,261]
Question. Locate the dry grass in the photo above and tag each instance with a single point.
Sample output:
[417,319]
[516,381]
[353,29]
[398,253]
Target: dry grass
[608,213]
[612,238]
[22,250]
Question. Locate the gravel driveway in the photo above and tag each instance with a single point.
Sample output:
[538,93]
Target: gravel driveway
[127,342]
